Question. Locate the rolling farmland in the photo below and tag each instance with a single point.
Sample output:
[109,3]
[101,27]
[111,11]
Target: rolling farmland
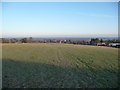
[59,65]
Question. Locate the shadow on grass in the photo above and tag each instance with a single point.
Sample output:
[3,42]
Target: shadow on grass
[18,74]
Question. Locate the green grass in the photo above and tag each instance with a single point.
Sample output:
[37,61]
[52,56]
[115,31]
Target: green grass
[59,65]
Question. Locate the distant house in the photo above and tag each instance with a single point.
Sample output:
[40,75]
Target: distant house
[101,44]
[109,44]
[114,44]
[58,41]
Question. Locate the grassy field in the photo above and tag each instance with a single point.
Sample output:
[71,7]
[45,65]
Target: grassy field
[59,65]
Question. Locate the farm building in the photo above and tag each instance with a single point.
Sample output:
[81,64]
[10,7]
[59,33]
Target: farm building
[114,44]
[101,44]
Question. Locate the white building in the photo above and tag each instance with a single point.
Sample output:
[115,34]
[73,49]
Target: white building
[115,44]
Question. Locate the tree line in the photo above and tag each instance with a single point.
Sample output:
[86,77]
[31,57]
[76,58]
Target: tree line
[93,41]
